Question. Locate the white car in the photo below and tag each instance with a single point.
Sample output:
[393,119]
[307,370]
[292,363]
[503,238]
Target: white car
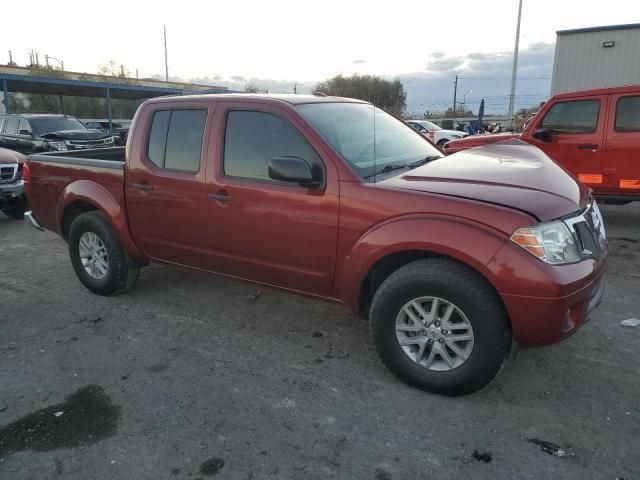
[436,134]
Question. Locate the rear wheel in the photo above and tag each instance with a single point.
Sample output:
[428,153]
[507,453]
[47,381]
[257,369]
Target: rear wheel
[97,256]
[439,326]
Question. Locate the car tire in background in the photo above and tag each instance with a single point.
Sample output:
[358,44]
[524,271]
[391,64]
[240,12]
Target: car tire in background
[442,142]
[97,256]
[440,326]
[17,212]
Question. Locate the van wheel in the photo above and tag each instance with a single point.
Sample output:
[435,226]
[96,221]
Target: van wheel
[97,256]
[439,326]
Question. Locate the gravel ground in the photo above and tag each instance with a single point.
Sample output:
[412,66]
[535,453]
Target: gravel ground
[190,376]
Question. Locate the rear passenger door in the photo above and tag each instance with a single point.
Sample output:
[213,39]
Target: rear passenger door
[270,231]
[165,193]
[578,137]
[622,152]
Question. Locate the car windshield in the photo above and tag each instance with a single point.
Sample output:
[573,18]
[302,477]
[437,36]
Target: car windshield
[349,128]
[429,126]
[42,125]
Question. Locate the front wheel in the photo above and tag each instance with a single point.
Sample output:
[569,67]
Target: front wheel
[439,326]
[97,256]
[442,142]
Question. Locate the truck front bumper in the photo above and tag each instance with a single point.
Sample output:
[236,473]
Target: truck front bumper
[546,303]
[11,194]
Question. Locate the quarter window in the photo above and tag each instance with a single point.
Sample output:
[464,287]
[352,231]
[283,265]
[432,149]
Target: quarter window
[572,117]
[253,138]
[11,126]
[628,115]
[175,139]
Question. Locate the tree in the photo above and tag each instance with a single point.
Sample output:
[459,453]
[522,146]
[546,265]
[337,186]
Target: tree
[386,94]
[112,69]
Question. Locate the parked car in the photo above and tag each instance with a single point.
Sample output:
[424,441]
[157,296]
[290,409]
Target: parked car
[13,201]
[436,134]
[451,259]
[120,130]
[595,134]
[31,132]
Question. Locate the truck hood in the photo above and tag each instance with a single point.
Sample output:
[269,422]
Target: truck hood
[9,156]
[75,135]
[478,140]
[513,174]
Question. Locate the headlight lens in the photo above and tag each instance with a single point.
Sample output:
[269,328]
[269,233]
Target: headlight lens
[551,242]
[60,146]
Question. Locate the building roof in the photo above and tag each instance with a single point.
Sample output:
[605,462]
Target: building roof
[604,28]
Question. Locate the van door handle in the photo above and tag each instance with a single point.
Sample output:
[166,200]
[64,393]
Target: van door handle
[588,146]
[145,187]
[222,196]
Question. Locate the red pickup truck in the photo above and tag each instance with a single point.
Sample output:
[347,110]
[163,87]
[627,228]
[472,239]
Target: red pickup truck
[451,259]
[595,134]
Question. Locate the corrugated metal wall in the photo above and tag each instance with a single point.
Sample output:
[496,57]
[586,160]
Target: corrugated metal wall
[582,63]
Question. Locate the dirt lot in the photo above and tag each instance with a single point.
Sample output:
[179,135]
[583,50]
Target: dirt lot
[190,376]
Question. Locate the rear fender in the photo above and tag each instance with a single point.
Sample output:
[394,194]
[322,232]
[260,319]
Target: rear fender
[463,240]
[93,193]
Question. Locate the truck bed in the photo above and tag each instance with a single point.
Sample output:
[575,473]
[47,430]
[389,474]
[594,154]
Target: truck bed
[52,173]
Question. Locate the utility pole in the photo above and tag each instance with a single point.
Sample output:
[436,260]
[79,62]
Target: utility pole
[166,64]
[295,87]
[512,96]
[455,93]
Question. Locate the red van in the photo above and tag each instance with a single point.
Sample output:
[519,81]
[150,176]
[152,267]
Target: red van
[595,134]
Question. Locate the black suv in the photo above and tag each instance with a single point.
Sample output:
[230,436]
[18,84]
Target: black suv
[31,132]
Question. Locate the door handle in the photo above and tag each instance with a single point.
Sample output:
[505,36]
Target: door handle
[145,187]
[220,196]
[588,146]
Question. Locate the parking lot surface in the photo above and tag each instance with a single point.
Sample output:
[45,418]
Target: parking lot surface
[191,376]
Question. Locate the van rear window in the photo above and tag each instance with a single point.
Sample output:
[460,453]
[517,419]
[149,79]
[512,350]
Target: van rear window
[628,114]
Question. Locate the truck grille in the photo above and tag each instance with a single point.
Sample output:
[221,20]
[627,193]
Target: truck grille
[77,144]
[589,230]
[8,173]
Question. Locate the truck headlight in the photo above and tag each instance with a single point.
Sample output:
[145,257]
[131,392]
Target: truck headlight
[59,146]
[551,242]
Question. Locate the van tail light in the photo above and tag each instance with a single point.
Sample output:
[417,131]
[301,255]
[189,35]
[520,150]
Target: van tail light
[26,175]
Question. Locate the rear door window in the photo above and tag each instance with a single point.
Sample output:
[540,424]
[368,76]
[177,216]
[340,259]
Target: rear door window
[572,117]
[628,114]
[175,139]
[25,128]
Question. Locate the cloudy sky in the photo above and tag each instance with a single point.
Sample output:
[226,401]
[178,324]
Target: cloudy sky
[276,43]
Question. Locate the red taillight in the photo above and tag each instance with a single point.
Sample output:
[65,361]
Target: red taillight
[26,175]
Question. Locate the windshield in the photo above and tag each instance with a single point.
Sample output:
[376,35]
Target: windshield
[42,125]
[429,126]
[349,128]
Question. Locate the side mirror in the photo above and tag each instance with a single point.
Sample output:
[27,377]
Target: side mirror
[543,135]
[295,170]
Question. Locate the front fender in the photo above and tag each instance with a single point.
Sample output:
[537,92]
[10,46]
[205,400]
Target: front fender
[466,241]
[87,191]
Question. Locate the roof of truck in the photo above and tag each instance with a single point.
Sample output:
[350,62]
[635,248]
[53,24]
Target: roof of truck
[601,91]
[294,99]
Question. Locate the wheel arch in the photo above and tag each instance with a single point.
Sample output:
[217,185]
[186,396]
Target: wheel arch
[388,247]
[83,196]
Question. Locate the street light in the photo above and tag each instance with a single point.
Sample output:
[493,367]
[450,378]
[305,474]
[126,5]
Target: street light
[47,57]
[464,100]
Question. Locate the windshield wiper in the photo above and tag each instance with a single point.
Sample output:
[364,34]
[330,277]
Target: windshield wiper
[422,161]
[388,168]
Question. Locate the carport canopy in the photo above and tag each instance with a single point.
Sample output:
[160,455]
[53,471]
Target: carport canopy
[127,89]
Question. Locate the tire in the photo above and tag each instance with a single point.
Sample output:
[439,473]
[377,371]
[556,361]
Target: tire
[17,212]
[475,303]
[118,275]
[442,142]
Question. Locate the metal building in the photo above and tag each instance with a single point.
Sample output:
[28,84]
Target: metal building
[596,57]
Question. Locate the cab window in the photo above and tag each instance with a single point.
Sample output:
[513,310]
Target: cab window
[572,117]
[628,114]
